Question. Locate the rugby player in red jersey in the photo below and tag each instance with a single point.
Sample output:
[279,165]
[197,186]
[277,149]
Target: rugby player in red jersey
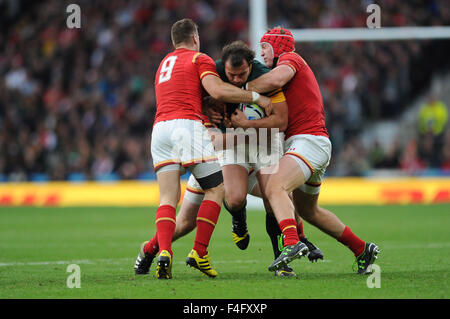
[180,141]
[237,66]
[307,153]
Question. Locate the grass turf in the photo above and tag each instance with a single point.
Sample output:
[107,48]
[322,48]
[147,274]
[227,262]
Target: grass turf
[37,245]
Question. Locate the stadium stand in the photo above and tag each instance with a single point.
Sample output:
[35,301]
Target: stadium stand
[78,104]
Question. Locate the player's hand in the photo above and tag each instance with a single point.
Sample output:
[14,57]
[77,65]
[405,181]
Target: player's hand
[213,109]
[265,103]
[227,122]
[214,116]
[238,119]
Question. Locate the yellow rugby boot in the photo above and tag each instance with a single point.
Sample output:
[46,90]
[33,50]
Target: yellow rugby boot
[202,264]
[164,268]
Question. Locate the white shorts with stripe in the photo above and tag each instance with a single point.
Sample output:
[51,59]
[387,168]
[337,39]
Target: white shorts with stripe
[253,156]
[313,154]
[181,144]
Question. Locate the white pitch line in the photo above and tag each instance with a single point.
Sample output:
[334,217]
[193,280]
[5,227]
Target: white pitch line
[415,246]
[38,263]
[387,246]
[118,260]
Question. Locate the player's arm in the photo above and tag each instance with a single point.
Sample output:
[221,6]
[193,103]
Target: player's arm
[278,119]
[213,109]
[229,93]
[272,80]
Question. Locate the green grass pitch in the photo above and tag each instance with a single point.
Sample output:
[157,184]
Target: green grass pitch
[37,245]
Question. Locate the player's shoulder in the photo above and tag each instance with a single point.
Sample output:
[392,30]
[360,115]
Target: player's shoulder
[292,59]
[219,64]
[200,57]
[258,69]
[288,56]
[260,66]
[220,67]
[188,55]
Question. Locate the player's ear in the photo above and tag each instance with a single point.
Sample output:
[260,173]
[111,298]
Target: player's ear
[195,38]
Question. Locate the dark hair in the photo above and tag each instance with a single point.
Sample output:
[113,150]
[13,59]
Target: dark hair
[237,51]
[182,31]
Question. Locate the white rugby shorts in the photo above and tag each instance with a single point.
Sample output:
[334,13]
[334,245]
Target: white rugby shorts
[182,144]
[313,154]
[253,156]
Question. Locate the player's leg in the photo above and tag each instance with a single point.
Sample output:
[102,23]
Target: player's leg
[305,154]
[186,219]
[209,176]
[266,164]
[165,226]
[276,239]
[169,189]
[273,230]
[186,216]
[306,202]
[276,191]
[306,205]
[167,168]
[315,152]
[314,253]
[256,191]
[185,224]
[207,217]
[287,177]
[236,184]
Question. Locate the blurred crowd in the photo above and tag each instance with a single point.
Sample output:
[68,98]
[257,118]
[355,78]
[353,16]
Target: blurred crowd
[79,104]
[365,82]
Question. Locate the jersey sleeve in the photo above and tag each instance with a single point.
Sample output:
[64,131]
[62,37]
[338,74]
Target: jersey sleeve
[205,65]
[292,60]
[276,96]
[221,71]
[259,69]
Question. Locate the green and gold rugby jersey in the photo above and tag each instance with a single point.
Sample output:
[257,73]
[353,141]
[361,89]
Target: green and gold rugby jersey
[256,70]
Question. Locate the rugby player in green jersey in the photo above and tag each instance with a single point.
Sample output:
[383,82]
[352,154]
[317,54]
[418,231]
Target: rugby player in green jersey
[237,67]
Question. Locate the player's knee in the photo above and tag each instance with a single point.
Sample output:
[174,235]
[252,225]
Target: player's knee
[235,200]
[273,190]
[215,194]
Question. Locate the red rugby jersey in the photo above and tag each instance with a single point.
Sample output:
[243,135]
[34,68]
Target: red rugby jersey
[306,112]
[178,86]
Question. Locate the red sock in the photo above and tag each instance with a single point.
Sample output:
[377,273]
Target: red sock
[165,226]
[352,241]
[289,229]
[152,246]
[207,217]
[301,234]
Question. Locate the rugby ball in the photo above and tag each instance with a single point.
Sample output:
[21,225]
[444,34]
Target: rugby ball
[252,111]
